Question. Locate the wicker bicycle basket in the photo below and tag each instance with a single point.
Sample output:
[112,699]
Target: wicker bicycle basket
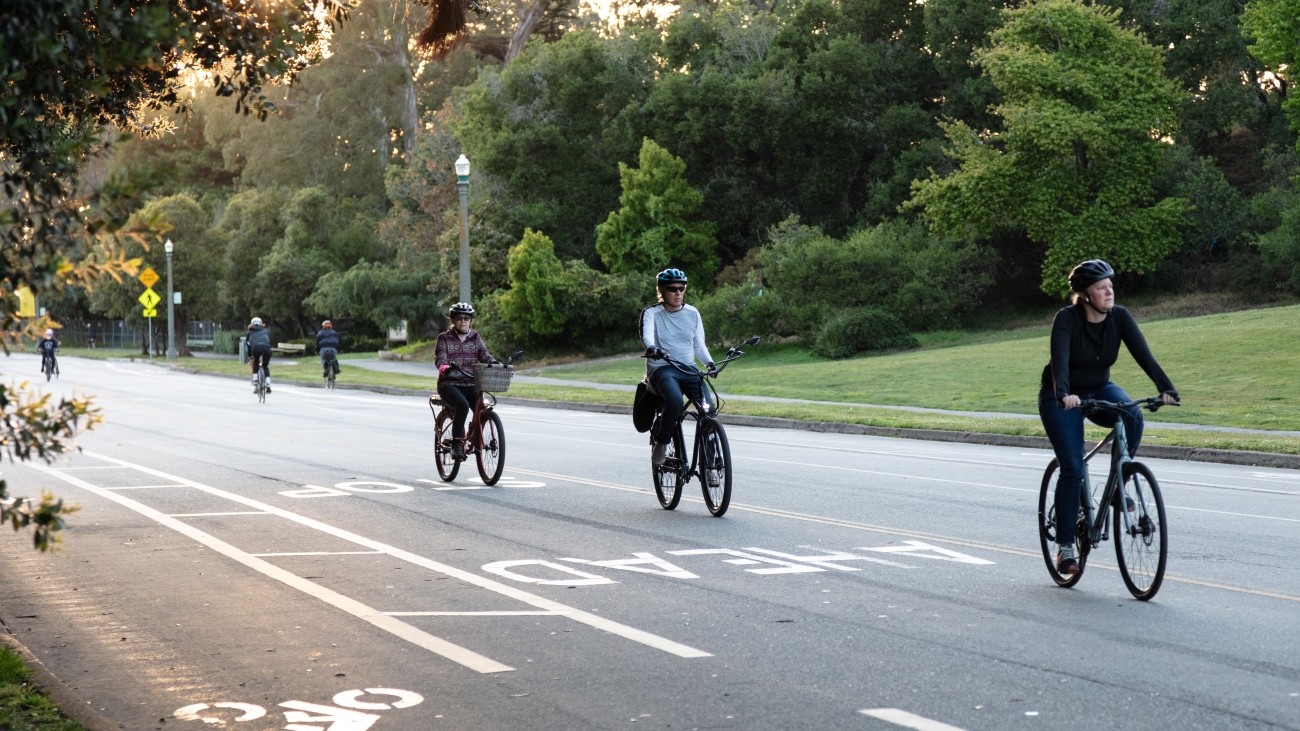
[492,377]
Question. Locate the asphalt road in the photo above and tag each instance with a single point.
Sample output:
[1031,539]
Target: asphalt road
[298,565]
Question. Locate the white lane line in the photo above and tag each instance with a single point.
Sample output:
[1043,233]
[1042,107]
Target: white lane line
[420,638]
[907,720]
[887,530]
[592,620]
[538,613]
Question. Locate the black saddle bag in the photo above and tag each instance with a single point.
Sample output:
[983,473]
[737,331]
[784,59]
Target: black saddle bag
[644,407]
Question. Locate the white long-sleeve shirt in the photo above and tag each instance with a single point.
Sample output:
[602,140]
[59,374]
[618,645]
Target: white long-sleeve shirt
[680,334]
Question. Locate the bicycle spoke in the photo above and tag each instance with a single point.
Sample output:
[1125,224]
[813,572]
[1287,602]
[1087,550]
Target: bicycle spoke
[1141,543]
[491,452]
[1047,531]
[715,467]
[447,466]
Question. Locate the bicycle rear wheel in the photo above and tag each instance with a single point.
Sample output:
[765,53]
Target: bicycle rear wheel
[492,449]
[1141,543]
[447,467]
[261,386]
[670,475]
[1047,531]
[715,467]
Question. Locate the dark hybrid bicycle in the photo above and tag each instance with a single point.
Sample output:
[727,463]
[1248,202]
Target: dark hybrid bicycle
[484,437]
[710,458]
[331,369]
[1132,497]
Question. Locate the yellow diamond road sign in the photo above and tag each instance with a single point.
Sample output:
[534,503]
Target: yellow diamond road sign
[148,277]
[149,299]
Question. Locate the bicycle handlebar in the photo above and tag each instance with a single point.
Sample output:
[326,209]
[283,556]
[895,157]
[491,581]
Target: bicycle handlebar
[732,354]
[1151,403]
[470,373]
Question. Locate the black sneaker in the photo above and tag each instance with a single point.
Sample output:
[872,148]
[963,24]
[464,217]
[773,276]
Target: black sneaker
[1067,565]
[458,451]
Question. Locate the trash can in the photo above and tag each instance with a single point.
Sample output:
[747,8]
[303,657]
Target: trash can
[243,349]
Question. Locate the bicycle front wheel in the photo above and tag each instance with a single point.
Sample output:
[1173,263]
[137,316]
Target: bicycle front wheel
[715,467]
[1141,543]
[447,466]
[670,475]
[492,449]
[1047,531]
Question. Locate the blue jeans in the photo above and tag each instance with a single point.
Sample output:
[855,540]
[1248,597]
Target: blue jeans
[671,384]
[1064,429]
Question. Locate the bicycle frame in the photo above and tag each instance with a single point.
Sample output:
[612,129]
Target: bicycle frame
[1096,515]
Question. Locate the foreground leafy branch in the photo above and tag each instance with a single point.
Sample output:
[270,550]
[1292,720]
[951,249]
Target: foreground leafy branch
[32,426]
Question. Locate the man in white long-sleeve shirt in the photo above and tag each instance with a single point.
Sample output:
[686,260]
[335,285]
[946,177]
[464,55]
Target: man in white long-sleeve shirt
[674,328]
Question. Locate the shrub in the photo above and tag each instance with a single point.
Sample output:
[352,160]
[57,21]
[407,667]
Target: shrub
[861,329]
[226,342]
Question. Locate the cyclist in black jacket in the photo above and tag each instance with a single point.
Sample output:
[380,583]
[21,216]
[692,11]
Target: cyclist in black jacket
[1085,343]
[328,342]
[46,347]
[259,350]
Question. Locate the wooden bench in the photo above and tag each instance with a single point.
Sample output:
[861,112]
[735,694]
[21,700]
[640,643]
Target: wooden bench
[290,348]
[197,343]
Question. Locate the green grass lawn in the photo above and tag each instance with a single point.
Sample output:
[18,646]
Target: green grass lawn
[1232,369]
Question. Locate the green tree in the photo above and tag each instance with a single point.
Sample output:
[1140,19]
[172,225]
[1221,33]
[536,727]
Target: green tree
[551,127]
[196,258]
[654,226]
[532,305]
[1274,26]
[1087,112]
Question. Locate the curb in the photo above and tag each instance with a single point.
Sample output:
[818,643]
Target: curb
[71,704]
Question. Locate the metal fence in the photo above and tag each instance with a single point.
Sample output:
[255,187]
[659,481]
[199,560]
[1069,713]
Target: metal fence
[117,334]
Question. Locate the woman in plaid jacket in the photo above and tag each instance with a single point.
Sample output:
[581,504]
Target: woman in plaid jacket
[459,347]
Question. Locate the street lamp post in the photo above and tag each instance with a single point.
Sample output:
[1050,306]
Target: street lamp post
[462,182]
[171,304]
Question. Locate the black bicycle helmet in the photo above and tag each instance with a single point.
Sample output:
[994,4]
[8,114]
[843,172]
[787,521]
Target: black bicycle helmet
[669,276]
[1089,273]
[461,308]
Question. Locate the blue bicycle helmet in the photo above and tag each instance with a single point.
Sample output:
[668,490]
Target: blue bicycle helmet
[669,276]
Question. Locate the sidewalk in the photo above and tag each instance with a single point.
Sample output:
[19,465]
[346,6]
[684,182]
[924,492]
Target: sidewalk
[426,369]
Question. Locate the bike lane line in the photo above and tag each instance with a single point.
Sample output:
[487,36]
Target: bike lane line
[368,614]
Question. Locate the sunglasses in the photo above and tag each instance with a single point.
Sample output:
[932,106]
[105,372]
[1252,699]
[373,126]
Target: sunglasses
[674,289]
[462,318]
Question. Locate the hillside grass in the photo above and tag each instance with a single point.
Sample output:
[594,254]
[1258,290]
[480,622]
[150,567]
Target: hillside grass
[1232,369]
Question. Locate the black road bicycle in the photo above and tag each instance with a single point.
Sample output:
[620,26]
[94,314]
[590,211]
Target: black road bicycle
[710,458]
[49,365]
[1132,498]
[484,437]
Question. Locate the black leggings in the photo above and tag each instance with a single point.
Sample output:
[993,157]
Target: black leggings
[262,353]
[460,397]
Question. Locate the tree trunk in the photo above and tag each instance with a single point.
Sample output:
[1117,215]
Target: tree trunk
[528,22]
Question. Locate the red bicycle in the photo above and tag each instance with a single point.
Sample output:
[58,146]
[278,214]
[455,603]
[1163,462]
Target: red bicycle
[484,437]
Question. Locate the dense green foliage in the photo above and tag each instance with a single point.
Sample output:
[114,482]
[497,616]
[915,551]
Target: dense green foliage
[784,154]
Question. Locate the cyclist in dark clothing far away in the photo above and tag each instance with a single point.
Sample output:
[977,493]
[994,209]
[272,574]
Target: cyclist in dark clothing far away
[47,346]
[1085,343]
[328,342]
[259,350]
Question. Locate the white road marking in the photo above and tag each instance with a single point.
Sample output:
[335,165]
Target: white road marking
[415,636]
[907,720]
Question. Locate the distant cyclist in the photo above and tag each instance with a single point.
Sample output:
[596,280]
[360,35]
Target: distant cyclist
[459,345]
[328,342]
[1085,343]
[259,350]
[674,328]
[46,347]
